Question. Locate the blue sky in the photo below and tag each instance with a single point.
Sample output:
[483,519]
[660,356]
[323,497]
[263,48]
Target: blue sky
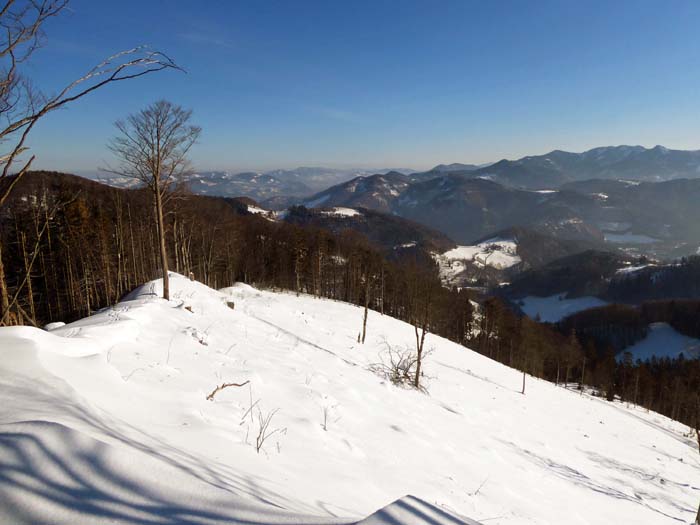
[378,83]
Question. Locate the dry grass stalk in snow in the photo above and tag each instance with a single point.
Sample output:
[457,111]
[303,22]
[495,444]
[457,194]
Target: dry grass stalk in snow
[264,430]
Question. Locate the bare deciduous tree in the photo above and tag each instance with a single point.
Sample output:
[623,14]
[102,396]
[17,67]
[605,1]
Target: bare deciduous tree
[421,304]
[22,105]
[152,146]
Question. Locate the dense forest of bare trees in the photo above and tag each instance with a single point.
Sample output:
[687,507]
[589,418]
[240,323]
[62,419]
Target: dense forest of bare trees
[73,246]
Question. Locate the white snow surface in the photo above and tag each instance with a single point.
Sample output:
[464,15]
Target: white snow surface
[269,215]
[555,307]
[664,341]
[105,420]
[341,212]
[626,270]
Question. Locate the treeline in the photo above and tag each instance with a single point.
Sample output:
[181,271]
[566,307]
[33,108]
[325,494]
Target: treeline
[619,326]
[668,386]
[72,246]
[680,280]
[597,273]
[584,273]
[391,233]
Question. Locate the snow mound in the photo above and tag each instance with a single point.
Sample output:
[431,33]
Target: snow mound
[410,509]
[106,420]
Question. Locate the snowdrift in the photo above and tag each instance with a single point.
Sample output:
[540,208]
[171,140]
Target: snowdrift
[106,420]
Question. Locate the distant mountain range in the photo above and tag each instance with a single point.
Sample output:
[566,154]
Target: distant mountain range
[280,184]
[537,172]
[642,199]
[661,218]
[613,162]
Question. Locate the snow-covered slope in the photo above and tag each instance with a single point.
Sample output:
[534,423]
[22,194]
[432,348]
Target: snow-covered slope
[106,421]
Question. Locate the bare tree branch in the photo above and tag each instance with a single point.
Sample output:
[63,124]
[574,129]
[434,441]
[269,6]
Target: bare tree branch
[210,397]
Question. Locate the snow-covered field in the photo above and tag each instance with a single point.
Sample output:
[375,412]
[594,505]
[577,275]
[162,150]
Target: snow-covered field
[555,307]
[106,421]
[341,212]
[499,253]
[496,253]
[664,341]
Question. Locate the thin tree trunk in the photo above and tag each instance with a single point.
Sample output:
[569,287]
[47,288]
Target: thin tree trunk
[364,320]
[4,296]
[163,250]
[419,343]
[382,292]
[30,290]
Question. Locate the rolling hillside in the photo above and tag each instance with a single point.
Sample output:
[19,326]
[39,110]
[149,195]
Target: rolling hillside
[107,420]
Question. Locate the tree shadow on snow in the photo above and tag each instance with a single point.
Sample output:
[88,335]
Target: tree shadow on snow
[50,473]
[579,478]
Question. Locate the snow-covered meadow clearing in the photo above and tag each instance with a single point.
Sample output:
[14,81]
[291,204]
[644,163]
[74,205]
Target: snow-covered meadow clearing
[556,307]
[106,421]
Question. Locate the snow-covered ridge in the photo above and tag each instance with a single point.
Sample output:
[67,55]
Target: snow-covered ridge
[107,420]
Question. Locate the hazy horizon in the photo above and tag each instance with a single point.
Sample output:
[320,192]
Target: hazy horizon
[359,166]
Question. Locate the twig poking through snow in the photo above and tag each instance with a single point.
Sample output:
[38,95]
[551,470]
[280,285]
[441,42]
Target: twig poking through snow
[210,397]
